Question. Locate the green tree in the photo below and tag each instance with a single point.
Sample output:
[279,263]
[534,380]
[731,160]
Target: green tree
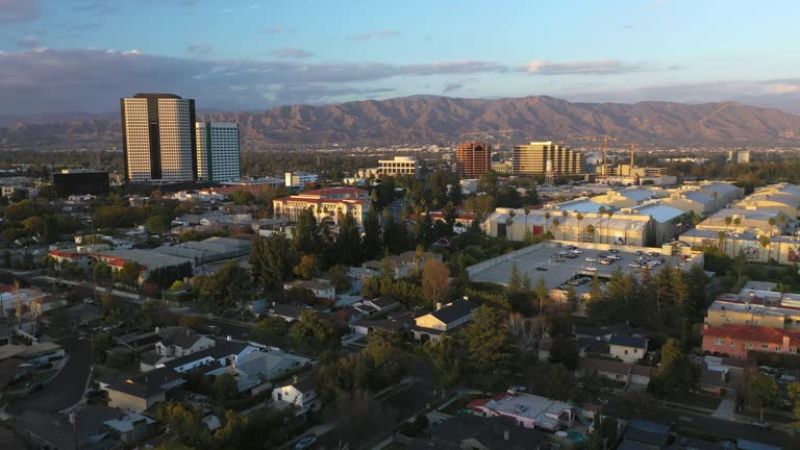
[605,434]
[158,224]
[490,347]
[226,288]
[271,262]
[305,235]
[101,343]
[269,329]
[129,274]
[315,332]
[563,351]
[762,392]
[675,372]
[348,241]
[372,235]
[224,388]
[445,355]
[101,272]
[338,277]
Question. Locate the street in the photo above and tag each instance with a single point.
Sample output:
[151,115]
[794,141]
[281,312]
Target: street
[66,389]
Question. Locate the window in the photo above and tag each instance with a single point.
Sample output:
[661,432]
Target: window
[720,341]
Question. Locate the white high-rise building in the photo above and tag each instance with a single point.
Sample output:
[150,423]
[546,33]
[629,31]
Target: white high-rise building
[158,139]
[218,151]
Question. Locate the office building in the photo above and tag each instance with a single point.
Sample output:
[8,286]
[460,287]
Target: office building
[299,179]
[80,182]
[400,165]
[473,159]
[218,151]
[546,158]
[158,138]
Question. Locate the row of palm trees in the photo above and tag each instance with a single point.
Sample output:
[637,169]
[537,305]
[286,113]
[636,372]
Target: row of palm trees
[589,229]
[764,241]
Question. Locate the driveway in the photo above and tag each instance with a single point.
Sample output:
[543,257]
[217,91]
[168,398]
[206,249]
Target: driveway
[66,389]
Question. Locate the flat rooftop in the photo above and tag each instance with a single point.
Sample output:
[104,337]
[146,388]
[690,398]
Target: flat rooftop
[543,261]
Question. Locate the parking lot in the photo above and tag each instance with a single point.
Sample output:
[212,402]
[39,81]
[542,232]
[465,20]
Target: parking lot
[557,265]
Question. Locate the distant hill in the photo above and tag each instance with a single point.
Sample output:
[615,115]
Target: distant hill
[430,119]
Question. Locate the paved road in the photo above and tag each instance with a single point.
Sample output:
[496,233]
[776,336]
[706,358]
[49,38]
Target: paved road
[725,429]
[66,388]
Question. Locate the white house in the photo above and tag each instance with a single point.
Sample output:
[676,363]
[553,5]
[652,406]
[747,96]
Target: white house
[445,318]
[320,288]
[629,349]
[301,394]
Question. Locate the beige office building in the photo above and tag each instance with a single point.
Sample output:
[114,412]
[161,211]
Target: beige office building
[546,157]
[158,138]
[400,165]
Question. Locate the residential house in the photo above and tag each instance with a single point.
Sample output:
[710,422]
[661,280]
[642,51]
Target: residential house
[444,318]
[402,265]
[141,392]
[300,393]
[174,342]
[468,431]
[629,349]
[528,411]
[286,311]
[634,377]
[376,306]
[321,288]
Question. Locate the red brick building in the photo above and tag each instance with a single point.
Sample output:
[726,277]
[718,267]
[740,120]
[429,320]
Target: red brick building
[474,159]
[737,341]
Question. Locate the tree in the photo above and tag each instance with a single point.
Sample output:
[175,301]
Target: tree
[675,372]
[101,343]
[762,392]
[271,262]
[372,235]
[226,288]
[268,329]
[305,235]
[128,274]
[314,331]
[515,280]
[338,277]
[101,272]
[490,349]
[604,436]
[224,388]
[348,241]
[563,351]
[435,282]
[158,224]
[307,268]
[445,355]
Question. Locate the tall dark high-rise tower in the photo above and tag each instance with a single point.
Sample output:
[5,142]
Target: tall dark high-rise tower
[158,138]
[474,159]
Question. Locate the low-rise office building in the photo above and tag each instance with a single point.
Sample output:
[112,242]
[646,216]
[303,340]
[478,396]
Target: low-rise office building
[327,204]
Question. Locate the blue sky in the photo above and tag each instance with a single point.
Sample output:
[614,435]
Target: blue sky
[82,55]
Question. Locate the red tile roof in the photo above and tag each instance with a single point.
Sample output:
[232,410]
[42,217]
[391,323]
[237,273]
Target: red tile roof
[337,191]
[67,254]
[753,333]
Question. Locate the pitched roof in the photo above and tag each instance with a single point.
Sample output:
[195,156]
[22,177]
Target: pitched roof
[148,384]
[753,333]
[454,311]
[628,341]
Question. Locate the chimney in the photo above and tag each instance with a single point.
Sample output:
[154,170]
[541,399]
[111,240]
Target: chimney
[438,306]
[506,435]
[786,342]
[229,338]
[158,329]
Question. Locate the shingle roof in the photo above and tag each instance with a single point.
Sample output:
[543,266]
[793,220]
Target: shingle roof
[454,311]
[628,341]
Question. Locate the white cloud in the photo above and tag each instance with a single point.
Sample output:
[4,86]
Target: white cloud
[599,67]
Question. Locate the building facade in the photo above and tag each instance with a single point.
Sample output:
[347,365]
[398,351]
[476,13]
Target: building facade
[218,151]
[327,204]
[158,138]
[473,159]
[399,165]
[80,182]
[299,179]
[546,157]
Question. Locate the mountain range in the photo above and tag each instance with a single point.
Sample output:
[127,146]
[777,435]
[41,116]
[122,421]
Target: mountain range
[432,119]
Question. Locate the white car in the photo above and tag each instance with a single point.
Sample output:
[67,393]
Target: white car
[591,259]
[590,268]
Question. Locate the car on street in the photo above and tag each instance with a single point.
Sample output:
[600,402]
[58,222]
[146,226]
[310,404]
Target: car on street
[305,442]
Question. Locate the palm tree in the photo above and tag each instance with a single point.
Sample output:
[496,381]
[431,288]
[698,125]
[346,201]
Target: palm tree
[782,219]
[764,240]
[590,231]
[556,223]
[509,224]
[546,220]
[579,216]
[610,213]
[736,223]
[721,236]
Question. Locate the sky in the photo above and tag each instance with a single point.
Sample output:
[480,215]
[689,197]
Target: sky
[83,55]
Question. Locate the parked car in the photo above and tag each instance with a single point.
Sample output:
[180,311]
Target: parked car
[305,442]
